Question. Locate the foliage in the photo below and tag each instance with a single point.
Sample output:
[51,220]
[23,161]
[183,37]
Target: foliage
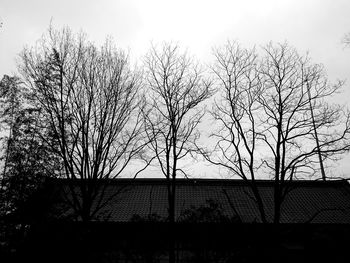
[26,158]
[154,217]
[212,212]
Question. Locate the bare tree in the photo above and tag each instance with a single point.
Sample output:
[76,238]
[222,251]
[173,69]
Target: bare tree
[91,101]
[271,110]
[176,87]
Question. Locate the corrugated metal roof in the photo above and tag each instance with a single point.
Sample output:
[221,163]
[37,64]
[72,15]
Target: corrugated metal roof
[306,201]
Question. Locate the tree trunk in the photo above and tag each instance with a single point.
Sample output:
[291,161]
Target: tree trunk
[277,207]
[171,200]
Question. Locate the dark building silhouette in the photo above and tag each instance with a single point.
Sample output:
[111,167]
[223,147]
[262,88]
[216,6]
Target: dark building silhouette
[216,221]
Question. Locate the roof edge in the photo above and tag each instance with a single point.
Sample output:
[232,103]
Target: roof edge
[204,181]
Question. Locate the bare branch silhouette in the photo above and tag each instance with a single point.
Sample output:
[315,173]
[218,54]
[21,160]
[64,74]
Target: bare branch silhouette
[91,101]
[266,128]
[176,86]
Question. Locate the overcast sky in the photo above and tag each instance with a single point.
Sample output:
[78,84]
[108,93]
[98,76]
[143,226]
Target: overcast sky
[316,26]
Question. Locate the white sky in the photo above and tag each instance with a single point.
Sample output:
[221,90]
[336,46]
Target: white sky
[316,26]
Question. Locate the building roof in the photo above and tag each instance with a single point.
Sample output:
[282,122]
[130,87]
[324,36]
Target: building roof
[136,199]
